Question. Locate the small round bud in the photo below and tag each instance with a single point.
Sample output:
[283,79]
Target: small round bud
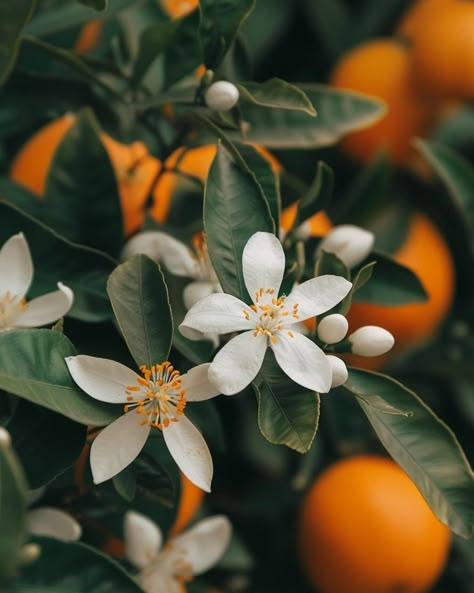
[5,438]
[338,369]
[371,340]
[29,554]
[221,96]
[333,328]
[350,243]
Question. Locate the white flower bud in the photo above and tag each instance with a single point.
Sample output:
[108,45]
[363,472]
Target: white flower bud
[333,328]
[5,438]
[350,243]
[29,554]
[371,340]
[221,96]
[338,369]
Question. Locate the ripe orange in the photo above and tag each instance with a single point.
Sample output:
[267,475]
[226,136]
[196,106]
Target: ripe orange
[382,68]
[193,162]
[189,504]
[426,253]
[89,36]
[443,52]
[179,8]
[365,528]
[134,168]
[418,15]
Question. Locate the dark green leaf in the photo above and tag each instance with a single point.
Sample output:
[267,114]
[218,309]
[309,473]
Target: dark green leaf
[391,284]
[318,196]
[184,55]
[219,22]
[234,209]
[288,414]
[32,366]
[421,444]
[328,263]
[339,112]
[13,493]
[82,199]
[139,298]
[13,18]
[362,276]
[328,17]
[125,483]
[276,93]
[97,4]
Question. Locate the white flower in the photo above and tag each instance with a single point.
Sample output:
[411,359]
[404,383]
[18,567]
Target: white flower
[53,522]
[221,95]
[156,399]
[371,340]
[339,372]
[16,275]
[271,321]
[350,243]
[166,569]
[333,328]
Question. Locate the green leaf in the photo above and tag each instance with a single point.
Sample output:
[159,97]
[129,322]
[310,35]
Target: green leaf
[139,298]
[32,366]
[38,433]
[329,263]
[73,567]
[96,4]
[55,259]
[13,492]
[219,22]
[234,209]
[13,18]
[185,53]
[276,93]
[319,194]
[82,199]
[362,276]
[391,284]
[421,444]
[327,17]
[288,414]
[339,112]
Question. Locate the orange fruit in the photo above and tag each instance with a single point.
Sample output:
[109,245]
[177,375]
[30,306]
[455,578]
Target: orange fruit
[192,162]
[189,504]
[417,16]
[382,68]
[365,528]
[426,253]
[443,52]
[317,226]
[134,168]
[89,36]
[178,8]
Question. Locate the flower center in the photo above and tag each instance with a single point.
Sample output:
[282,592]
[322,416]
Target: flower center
[271,313]
[158,396]
[10,307]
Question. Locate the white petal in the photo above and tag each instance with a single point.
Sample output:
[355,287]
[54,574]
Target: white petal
[117,446]
[338,370]
[263,263]
[174,255]
[302,361]
[190,452]
[156,579]
[236,365]
[204,543]
[46,308]
[197,384]
[101,378]
[318,295]
[53,523]
[217,314]
[351,244]
[16,266]
[195,291]
[143,539]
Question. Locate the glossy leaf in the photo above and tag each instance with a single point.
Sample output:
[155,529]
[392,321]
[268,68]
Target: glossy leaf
[13,18]
[140,301]
[219,23]
[56,259]
[422,445]
[362,276]
[288,414]
[339,112]
[319,194]
[12,511]
[184,55]
[32,366]
[234,209]
[276,93]
[82,197]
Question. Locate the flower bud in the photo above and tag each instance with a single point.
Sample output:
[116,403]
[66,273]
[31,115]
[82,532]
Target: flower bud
[333,328]
[5,438]
[371,340]
[221,96]
[29,554]
[338,370]
[350,243]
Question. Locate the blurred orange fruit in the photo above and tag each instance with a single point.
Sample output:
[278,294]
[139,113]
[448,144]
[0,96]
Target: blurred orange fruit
[135,169]
[382,68]
[365,528]
[189,504]
[443,51]
[426,253]
[179,8]
[417,16]
[316,226]
[89,36]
